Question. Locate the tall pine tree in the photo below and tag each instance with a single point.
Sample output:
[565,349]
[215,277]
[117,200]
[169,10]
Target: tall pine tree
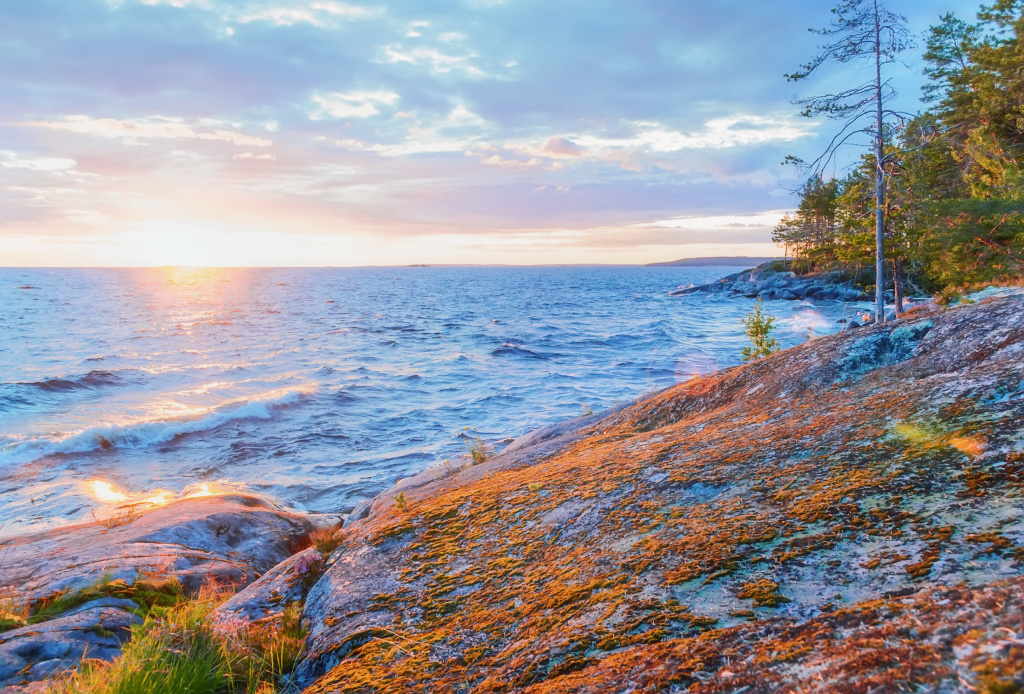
[864,33]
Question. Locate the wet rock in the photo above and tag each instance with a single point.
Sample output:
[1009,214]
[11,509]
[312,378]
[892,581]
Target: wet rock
[233,538]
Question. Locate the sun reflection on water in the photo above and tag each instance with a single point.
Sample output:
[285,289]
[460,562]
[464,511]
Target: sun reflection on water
[106,493]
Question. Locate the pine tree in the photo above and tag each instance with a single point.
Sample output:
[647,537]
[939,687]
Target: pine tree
[863,32]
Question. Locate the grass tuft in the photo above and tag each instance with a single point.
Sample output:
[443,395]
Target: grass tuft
[479,451]
[326,540]
[13,611]
[118,519]
[182,651]
[150,596]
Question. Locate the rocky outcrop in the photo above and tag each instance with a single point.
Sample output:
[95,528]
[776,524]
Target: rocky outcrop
[845,515]
[775,280]
[229,539]
[97,629]
[233,539]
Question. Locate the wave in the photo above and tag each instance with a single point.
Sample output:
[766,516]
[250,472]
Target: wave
[511,350]
[141,433]
[93,379]
[36,394]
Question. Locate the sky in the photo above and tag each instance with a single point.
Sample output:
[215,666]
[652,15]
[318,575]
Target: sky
[392,132]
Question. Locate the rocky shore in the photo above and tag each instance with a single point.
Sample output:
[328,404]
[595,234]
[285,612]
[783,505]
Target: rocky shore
[776,280]
[847,515]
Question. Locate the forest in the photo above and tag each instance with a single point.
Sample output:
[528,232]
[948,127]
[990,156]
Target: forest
[953,202]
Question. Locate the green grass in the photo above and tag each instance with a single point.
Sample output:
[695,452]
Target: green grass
[479,451]
[150,596]
[181,651]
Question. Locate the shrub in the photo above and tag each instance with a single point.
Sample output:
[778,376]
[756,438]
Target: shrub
[759,328]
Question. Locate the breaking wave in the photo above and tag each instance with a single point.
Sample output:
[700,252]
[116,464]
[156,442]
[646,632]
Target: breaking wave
[141,433]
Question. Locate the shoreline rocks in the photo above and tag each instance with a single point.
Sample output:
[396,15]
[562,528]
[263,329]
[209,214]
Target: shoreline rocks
[229,539]
[774,280]
[817,519]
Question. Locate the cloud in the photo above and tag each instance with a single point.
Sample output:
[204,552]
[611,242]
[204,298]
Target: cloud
[316,13]
[305,116]
[351,105]
[717,133]
[158,127]
[12,160]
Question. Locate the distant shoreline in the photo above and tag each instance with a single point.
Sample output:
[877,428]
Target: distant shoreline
[717,261]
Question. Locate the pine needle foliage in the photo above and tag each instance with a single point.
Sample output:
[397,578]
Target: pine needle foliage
[759,329]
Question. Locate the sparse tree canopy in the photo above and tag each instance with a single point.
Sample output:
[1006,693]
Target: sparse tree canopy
[867,33]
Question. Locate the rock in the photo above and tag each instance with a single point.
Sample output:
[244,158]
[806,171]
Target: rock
[890,316]
[831,493]
[286,583]
[233,538]
[768,281]
[852,325]
[35,652]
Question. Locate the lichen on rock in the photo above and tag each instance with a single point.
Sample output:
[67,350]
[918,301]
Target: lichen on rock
[791,523]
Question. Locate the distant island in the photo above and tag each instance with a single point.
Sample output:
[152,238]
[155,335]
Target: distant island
[720,261]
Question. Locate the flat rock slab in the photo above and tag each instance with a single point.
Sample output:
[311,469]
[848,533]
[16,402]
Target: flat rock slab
[678,543]
[233,538]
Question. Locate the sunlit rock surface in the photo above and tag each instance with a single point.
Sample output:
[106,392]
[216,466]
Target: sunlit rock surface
[846,515]
[233,538]
[228,539]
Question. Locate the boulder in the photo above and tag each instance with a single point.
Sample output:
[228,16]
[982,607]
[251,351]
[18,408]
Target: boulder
[286,583]
[231,538]
[35,652]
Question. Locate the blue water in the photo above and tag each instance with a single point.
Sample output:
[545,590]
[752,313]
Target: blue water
[322,387]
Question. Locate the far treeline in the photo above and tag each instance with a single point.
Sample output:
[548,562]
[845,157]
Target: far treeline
[952,192]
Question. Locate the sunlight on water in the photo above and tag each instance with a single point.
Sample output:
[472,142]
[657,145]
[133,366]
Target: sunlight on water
[105,492]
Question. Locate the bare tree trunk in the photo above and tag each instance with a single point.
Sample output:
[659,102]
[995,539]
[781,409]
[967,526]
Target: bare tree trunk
[897,286]
[879,178]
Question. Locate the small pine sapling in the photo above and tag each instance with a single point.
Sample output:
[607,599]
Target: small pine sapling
[759,328]
[401,503]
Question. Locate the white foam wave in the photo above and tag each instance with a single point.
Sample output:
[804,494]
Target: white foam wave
[140,433]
